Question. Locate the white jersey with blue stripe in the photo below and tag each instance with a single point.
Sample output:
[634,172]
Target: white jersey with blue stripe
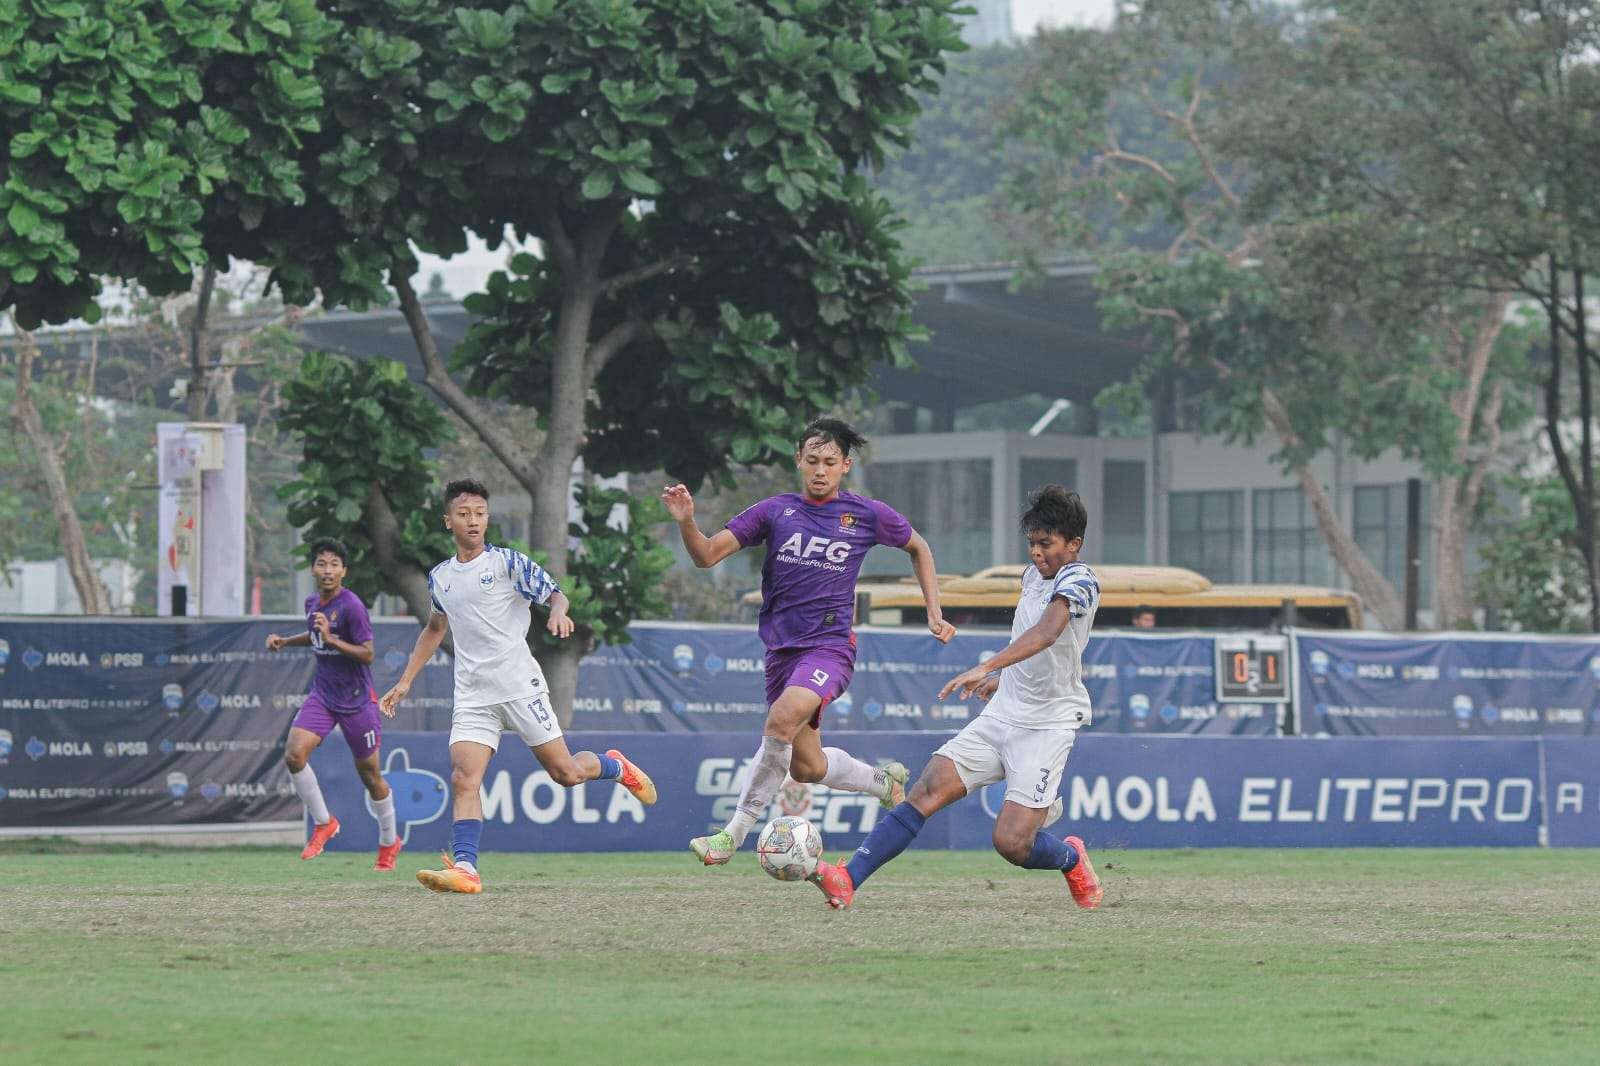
[1045,691]
[487,602]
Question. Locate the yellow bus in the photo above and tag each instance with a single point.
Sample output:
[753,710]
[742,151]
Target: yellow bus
[1181,599]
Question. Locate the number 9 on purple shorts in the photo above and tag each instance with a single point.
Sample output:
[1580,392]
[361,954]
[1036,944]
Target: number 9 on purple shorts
[825,671]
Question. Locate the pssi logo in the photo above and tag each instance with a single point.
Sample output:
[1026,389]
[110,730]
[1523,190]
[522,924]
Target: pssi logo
[420,795]
[112,659]
[835,551]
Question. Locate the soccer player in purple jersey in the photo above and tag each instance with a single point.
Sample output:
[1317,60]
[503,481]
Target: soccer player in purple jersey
[816,541]
[339,631]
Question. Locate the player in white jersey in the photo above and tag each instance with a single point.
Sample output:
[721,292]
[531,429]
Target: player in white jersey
[481,595]
[1036,705]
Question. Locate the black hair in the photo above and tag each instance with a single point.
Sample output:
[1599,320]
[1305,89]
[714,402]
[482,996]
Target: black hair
[464,487]
[1143,608]
[333,547]
[832,431]
[1054,509]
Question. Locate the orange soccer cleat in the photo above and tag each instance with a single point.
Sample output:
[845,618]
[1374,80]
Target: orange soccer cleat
[634,779]
[1085,886]
[320,837]
[387,853]
[835,884]
[451,879]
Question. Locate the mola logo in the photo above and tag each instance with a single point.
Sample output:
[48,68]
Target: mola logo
[394,658]
[420,795]
[872,709]
[178,784]
[206,701]
[35,748]
[172,696]
[1169,712]
[167,747]
[683,658]
[714,664]
[1490,714]
[33,658]
[5,743]
[210,790]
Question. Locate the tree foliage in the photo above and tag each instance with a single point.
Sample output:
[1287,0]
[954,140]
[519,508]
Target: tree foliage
[139,135]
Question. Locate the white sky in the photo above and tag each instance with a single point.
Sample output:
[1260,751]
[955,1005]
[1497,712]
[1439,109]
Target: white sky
[466,272]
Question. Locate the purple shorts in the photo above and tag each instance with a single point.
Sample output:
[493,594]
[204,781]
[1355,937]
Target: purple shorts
[825,671]
[362,728]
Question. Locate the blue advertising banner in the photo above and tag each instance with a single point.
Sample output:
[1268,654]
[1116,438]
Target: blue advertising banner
[1455,685]
[1572,785]
[678,676]
[1119,792]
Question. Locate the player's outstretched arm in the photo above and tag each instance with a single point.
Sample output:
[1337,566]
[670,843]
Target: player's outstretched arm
[928,579]
[299,640]
[1033,641]
[559,624]
[428,642]
[705,551]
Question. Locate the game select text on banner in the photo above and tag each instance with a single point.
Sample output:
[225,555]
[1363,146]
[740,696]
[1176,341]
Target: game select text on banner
[1452,685]
[1120,791]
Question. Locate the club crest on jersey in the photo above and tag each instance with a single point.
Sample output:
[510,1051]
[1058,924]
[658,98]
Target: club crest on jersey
[486,579]
[847,523]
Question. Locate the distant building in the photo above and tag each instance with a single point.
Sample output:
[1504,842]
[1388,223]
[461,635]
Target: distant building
[989,24]
[45,587]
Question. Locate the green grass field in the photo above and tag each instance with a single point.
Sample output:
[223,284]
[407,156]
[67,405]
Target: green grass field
[129,955]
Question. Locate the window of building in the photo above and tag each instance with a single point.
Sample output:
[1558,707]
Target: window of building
[1037,473]
[947,501]
[1122,501]
[1380,529]
[1287,546]
[1205,533]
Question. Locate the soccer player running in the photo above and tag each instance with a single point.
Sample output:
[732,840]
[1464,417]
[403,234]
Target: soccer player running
[816,541]
[1025,733]
[481,595]
[339,631]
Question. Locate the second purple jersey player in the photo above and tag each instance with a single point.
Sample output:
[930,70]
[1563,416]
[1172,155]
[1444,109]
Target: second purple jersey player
[339,631]
[816,541]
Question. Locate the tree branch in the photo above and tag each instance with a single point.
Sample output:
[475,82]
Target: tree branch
[555,235]
[199,343]
[617,282]
[437,377]
[616,338]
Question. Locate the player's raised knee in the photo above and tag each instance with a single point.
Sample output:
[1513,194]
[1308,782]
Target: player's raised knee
[294,761]
[464,782]
[1014,846]
[566,774]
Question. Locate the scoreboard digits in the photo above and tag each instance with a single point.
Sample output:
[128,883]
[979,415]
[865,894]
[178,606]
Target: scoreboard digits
[1252,669]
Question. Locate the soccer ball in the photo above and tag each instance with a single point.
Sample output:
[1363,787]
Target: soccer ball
[789,848]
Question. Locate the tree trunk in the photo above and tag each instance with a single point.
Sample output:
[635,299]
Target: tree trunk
[1586,508]
[1456,496]
[199,343]
[92,594]
[1374,589]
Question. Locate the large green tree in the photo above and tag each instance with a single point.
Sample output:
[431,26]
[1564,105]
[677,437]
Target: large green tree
[712,265]
[1412,151]
[1137,125]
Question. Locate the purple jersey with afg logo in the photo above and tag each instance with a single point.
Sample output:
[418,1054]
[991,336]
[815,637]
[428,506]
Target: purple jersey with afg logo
[342,683]
[814,552]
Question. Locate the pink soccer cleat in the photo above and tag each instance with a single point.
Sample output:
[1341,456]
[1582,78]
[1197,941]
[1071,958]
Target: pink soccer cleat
[1085,886]
[835,884]
[320,837]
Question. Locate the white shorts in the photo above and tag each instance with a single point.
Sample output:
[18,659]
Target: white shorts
[1029,761]
[531,718]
